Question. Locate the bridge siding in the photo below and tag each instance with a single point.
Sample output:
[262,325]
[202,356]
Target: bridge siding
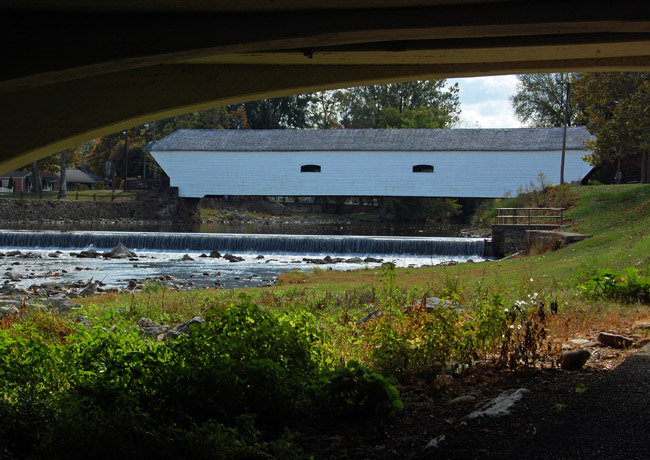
[346,173]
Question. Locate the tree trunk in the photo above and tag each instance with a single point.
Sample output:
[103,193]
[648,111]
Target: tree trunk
[63,185]
[644,168]
[36,178]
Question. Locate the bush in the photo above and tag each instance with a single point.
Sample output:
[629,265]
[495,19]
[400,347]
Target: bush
[624,285]
[355,391]
[110,393]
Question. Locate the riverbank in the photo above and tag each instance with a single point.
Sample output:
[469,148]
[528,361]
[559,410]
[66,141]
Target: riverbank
[454,338]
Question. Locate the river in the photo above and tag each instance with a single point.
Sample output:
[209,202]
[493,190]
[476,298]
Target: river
[266,251]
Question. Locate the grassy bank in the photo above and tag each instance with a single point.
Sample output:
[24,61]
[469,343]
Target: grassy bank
[297,354]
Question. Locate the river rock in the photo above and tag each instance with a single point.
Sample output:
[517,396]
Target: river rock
[82,320]
[314,261]
[119,252]
[62,304]
[354,260]
[614,341]
[574,360]
[55,254]
[499,406]
[150,328]
[465,399]
[215,254]
[232,258]
[13,253]
[89,290]
[183,329]
[372,260]
[187,257]
[11,276]
[432,303]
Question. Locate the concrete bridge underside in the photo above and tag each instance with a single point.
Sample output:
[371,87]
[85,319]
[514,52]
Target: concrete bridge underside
[75,70]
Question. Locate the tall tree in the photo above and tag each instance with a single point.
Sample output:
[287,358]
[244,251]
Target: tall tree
[617,109]
[37,185]
[277,113]
[540,100]
[391,105]
[63,185]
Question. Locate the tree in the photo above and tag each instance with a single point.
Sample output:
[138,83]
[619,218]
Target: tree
[396,105]
[277,113]
[37,186]
[540,100]
[63,186]
[617,109]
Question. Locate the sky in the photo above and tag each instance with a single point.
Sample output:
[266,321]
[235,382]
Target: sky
[485,103]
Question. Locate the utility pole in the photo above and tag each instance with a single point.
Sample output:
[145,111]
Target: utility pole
[566,122]
[126,159]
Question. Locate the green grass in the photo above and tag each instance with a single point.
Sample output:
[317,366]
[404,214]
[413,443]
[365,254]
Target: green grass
[616,216]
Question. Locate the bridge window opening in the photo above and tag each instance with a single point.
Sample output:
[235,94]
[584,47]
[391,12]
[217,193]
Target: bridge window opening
[310,168]
[423,168]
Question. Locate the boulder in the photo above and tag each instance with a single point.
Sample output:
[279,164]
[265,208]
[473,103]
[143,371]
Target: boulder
[89,290]
[119,252]
[215,254]
[574,360]
[62,304]
[354,260]
[87,254]
[614,341]
[187,257]
[183,329]
[372,260]
[232,258]
[150,328]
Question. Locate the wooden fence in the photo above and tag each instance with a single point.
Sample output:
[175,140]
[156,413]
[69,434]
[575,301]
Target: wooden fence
[77,196]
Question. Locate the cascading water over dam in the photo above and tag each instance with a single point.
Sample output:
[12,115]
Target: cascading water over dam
[247,243]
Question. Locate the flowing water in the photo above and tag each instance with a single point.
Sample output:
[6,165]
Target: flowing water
[264,256]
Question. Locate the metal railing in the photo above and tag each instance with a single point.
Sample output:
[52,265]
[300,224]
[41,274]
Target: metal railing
[529,216]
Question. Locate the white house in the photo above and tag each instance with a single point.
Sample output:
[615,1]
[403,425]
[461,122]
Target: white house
[482,163]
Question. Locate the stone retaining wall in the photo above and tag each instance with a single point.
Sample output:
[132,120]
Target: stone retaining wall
[171,210]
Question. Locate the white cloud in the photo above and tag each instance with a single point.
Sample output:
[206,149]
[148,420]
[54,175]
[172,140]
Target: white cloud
[485,102]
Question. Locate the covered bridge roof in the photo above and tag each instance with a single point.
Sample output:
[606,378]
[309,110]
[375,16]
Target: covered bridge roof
[400,140]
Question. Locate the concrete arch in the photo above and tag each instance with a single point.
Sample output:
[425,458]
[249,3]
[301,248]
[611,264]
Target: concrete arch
[78,70]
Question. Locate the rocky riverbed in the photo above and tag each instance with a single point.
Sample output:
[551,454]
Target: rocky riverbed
[55,277]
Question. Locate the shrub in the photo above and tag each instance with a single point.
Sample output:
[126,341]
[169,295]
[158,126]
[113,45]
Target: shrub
[625,285]
[355,391]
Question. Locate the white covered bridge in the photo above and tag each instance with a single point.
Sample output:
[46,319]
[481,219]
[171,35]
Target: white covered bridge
[480,163]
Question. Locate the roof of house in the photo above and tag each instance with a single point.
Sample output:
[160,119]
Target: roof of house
[16,174]
[399,140]
[81,177]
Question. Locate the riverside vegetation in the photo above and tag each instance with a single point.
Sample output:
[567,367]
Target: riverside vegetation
[318,349]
